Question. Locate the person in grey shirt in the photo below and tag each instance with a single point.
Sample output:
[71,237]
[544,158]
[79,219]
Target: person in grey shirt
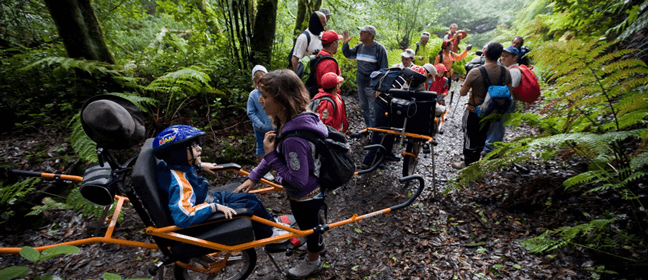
[371,56]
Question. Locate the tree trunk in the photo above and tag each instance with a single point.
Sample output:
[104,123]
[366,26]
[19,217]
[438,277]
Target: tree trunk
[265,23]
[304,9]
[78,27]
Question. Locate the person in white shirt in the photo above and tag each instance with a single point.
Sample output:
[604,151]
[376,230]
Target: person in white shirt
[304,46]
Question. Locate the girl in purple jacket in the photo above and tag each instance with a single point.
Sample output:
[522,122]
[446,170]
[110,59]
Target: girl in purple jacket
[284,97]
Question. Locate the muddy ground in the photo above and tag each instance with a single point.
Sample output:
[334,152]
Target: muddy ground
[474,233]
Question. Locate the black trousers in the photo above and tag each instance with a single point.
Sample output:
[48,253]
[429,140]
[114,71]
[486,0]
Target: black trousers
[307,215]
[475,134]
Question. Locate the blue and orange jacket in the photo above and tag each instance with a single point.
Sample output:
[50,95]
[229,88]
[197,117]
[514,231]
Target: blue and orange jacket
[186,192]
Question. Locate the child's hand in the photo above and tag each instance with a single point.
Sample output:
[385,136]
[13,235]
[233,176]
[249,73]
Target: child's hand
[208,167]
[246,186]
[229,212]
[269,142]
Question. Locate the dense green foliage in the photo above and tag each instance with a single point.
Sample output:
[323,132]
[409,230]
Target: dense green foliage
[594,109]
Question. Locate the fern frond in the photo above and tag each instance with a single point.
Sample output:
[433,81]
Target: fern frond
[84,147]
[639,161]
[581,178]
[138,100]
[561,237]
[66,63]
[187,82]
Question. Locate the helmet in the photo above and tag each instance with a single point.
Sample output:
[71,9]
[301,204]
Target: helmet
[175,136]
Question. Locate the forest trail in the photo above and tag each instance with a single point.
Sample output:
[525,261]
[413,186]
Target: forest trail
[438,237]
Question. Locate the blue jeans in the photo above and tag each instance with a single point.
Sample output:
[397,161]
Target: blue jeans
[250,201]
[259,142]
[367,98]
[496,131]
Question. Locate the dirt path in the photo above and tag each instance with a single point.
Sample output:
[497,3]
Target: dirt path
[461,236]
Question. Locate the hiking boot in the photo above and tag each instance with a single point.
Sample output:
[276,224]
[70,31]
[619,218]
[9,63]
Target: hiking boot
[484,153]
[304,268]
[458,165]
[268,176]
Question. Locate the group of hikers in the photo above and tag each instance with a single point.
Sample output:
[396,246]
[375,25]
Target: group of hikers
[281,103]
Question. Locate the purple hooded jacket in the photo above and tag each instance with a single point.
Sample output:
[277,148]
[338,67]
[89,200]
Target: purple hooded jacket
[297,163]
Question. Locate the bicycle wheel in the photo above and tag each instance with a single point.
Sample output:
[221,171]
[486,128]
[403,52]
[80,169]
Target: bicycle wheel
[409,161]
[239,266]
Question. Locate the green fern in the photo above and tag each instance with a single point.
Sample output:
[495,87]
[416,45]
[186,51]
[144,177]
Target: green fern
[83,146]
[181,85]
[12,193]
[595,83]
[561,237]
[76,201]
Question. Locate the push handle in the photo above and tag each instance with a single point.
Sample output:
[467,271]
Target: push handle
[416,194]
[55,176]
[382,150]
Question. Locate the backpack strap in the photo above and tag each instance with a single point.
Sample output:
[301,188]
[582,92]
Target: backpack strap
[502,80]
[317,101]
[417,48]
[484,75]
[308,38]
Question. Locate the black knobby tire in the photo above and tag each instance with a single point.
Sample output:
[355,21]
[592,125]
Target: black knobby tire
[239,267]
[409,162]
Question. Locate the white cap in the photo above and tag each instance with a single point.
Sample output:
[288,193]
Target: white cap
[258,68]
[430,68]
[425,35]
[368,28]
[408,53]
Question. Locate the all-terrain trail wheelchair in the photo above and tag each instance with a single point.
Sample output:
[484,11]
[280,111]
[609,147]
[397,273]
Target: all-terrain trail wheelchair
[411,116]
[218,248]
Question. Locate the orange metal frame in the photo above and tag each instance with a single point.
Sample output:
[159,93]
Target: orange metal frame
[169,232]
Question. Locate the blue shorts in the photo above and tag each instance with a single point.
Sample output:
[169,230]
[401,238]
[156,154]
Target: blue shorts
[259,143]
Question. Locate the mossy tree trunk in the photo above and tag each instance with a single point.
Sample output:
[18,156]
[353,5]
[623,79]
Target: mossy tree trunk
[304,9]
[78,27]
[265,23]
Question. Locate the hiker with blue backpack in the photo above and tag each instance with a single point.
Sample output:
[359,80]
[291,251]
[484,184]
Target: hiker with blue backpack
[371,56]
[284,97]
[491,93]
[497,130]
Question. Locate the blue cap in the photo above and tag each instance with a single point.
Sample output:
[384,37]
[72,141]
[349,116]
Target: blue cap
[512,50]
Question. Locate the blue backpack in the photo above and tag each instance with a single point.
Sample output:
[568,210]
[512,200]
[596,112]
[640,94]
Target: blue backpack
[498,97]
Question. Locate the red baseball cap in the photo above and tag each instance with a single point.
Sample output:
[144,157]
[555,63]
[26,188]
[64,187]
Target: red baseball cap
[330,80]
[440,67]
[329,36]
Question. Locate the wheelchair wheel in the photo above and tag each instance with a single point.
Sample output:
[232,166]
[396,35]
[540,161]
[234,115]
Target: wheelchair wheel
[409,161]
[239,266]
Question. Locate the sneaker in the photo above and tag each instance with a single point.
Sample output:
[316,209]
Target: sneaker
[458,165]
[278,232]
[304,268]
[268,176]
[484,153]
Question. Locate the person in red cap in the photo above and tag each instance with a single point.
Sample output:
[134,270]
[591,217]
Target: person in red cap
[440,83]
[330,106]
[326,63]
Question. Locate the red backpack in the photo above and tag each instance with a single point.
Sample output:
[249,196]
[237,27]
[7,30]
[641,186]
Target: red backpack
[529,89]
